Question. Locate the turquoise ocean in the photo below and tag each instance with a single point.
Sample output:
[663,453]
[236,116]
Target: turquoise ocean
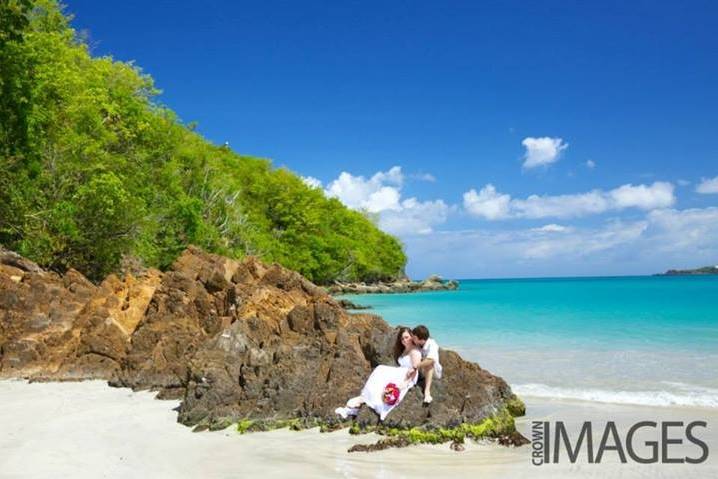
[650,340]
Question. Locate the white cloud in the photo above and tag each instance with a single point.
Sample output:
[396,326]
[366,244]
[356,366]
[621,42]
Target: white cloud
[658,195]
[552,228]
[590,164]
[694,229]
[560,206]
[542,151]
[487,203]
[381,194]
[385,198]
[683,182]
[393,176]
[311,182]
[414,217]
[492,205]
[663,239]
[583,242]
[708,186]
[424,177]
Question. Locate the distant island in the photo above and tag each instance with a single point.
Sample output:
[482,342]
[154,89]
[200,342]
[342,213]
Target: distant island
[691,272]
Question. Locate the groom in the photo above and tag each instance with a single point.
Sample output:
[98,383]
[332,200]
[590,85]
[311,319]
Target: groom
[429,366]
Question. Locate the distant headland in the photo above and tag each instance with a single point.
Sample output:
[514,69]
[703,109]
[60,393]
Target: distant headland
[691,272]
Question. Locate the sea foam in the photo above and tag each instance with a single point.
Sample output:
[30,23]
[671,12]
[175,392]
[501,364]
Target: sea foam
[685,395]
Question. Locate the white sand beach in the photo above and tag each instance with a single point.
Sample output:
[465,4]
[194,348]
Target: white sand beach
[90,430]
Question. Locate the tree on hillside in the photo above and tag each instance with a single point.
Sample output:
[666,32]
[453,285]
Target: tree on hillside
[93,168]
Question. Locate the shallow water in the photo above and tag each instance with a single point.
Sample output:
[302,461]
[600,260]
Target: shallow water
[634,340]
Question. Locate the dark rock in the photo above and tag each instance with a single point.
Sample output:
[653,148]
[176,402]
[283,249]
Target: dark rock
[235,340]
[514,438]
[457,446]
[381,445]
[10,258]
[346,304]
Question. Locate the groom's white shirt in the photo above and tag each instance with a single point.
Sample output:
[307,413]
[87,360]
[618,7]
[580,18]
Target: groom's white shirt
[431,350]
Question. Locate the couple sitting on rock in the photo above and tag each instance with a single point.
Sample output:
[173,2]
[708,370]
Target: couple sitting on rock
[416,353]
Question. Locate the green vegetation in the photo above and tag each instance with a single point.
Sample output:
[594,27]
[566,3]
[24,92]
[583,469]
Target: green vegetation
[93,168]
[502,422]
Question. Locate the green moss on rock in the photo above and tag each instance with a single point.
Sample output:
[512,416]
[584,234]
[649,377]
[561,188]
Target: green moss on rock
[497,426]
[220,424]
[500,423]
[244,425]
[516,406]
[294,424]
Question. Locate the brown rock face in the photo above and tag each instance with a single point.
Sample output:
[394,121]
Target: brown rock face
[233,339]
[65,327]
[38,311]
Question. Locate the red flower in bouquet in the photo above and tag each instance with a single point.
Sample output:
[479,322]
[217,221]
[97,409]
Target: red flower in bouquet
[391,394]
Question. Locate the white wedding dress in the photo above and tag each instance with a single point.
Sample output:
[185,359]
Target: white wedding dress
[372,394]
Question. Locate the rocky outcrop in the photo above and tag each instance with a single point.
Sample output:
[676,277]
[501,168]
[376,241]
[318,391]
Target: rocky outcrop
[237,341]
[349,305]
[403,285]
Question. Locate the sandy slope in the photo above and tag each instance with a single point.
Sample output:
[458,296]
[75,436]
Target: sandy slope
[91,430]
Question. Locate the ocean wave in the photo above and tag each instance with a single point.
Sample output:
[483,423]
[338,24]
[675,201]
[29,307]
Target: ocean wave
[696,396]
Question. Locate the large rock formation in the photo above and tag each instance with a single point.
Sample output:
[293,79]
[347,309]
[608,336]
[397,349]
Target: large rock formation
[402,285]
[235,340]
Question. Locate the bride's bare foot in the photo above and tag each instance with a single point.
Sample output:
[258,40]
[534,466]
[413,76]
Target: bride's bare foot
[355,402]
[427,398]
[345,412]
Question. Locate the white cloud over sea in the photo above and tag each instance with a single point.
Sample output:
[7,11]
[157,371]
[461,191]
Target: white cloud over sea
[632,228]
[662,239]
[488,203]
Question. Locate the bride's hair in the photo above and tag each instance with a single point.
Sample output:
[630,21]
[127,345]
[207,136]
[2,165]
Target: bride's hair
[398,347]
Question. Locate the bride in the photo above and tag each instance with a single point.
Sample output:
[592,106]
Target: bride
[404,376]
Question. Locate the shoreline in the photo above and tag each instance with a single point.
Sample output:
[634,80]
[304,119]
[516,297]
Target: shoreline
[87,429]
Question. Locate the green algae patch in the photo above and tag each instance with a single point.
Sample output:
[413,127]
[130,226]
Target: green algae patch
[516,406]
[260,425]
[245,426]
[293,424]
[220,425]
[492,427]
[499,426]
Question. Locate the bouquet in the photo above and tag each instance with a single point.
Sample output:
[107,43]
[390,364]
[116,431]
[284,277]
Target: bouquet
[391,394]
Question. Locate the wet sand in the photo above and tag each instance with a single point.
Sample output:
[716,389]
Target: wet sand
[90,430]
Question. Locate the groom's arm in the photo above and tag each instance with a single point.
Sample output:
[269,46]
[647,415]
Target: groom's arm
[432,356]
[433,351]
[415,364]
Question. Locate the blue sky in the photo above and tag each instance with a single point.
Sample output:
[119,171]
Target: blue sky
[496,139]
